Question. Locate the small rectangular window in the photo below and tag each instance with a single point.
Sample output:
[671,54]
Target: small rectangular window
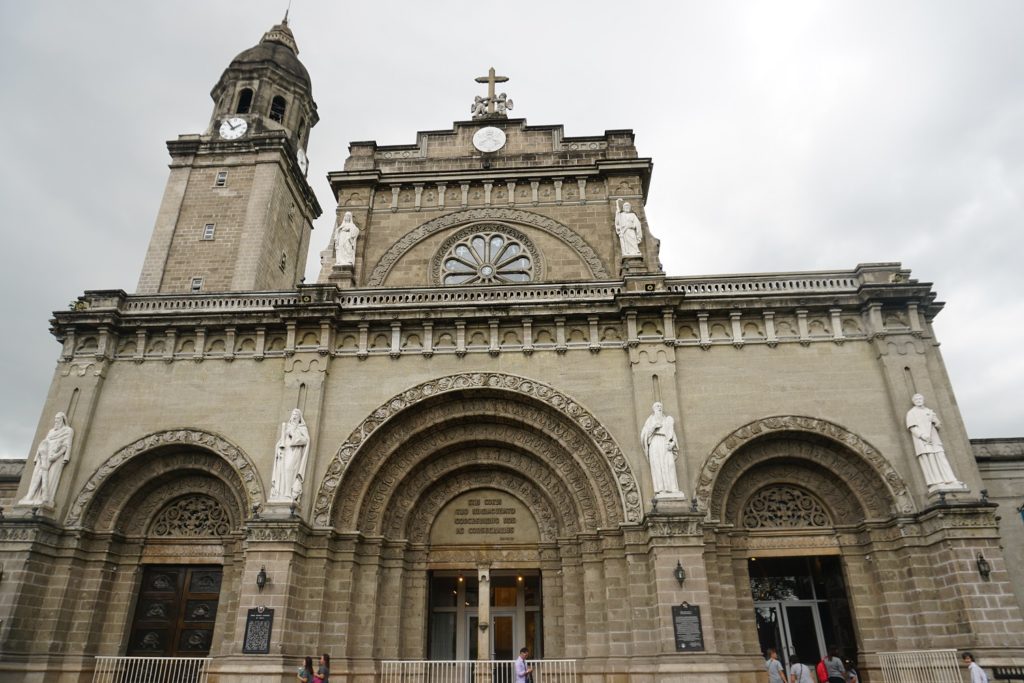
[222,179]
[208,230]
[197,284]
[283,262]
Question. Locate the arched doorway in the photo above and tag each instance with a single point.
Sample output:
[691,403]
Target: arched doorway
[793,504]
[170,509]
[475,498]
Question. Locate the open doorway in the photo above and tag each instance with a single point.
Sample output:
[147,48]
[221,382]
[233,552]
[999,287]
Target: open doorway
[801,607]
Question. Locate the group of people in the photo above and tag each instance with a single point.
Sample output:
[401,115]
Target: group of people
[323,671]
[836,670]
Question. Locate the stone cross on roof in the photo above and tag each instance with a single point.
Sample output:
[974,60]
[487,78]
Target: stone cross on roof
[491,105]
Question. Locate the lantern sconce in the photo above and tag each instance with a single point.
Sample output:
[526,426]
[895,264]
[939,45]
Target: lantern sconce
[261,578]
[679,573]
[984,568]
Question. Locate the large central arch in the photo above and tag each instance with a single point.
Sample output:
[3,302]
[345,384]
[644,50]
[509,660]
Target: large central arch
[511,423]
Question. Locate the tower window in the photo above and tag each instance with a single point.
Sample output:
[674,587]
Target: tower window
[208,231]
[277,107]
[244,101]
[284,262]
[197,284]
[222,179]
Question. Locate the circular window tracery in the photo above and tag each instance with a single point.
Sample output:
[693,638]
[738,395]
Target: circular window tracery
[487,255]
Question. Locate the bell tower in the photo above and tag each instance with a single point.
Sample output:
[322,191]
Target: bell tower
[237,211]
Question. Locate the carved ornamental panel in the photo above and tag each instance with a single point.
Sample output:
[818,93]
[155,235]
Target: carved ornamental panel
[191,517]
[784,507]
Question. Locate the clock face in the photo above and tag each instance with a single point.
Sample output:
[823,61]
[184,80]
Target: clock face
[489,139]
[233,128]
[303,161]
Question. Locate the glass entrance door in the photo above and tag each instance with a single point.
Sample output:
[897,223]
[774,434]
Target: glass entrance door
[515,615]
[792,628]
[801,607]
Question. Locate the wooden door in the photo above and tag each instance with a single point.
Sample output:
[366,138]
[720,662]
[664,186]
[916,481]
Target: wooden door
[175,612]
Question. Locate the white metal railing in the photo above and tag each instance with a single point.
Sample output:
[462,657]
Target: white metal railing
[475,671]
[920,666]
[151,670]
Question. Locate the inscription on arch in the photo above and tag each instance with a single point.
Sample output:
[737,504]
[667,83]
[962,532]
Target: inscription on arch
[483,516]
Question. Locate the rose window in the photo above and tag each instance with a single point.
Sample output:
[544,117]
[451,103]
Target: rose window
[486,258]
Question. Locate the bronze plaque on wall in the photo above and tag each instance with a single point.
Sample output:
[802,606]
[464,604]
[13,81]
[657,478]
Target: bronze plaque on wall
[259,622]
[687,628]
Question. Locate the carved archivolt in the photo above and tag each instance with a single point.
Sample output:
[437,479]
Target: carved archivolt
[878,486]
[540,442]
[136,514]
[117,478]
[431,453]
[554,506]
[543,223]
[547,413]
[778,472]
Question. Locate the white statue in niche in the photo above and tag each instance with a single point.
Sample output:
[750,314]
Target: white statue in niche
[345,236]
[658,439]
[290,460]
[52,453]
[924,426]
[628,228]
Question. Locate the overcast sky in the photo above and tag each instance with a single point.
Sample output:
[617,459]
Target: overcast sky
[785,135]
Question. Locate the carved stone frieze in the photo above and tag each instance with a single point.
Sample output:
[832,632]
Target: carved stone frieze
[868,473]
[242,472]
[284,533]
[776,542]
[840,502]
[543,223]
[560,417]
[664,527]
[18,533]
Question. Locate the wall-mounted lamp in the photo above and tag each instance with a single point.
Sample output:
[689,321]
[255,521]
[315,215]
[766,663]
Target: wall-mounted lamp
[679,573]
[984,568]
[261,578]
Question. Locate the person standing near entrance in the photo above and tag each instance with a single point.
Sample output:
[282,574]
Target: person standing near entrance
[776,674]
[978,674]
[834,666]
[799,673]
[524,672]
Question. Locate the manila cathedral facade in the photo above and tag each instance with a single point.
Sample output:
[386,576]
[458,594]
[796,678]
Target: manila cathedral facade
[493,422]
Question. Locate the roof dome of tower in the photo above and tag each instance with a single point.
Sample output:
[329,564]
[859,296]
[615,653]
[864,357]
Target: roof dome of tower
[278,47]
